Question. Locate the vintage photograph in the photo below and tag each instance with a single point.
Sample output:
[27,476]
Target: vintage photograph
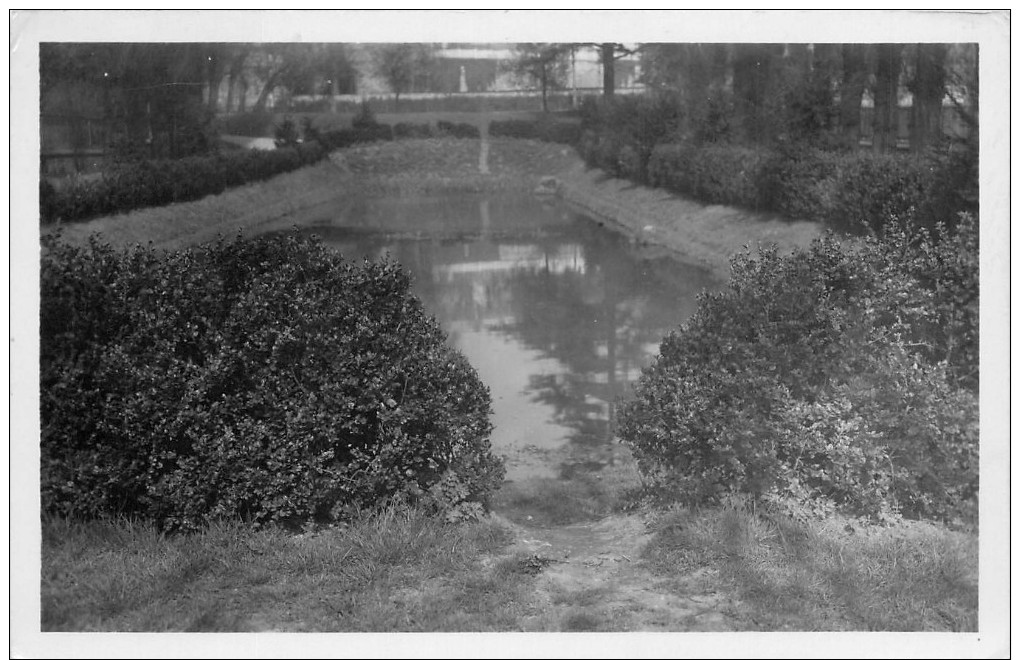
[645,325]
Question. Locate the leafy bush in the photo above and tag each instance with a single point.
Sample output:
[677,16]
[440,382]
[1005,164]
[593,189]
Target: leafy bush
[828,378]
[623,132]
[713,173]
[460,130]
[872,188]
[799,182]
[160,182]
[266,379]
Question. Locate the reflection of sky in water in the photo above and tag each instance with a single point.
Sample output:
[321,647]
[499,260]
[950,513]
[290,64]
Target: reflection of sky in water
[557,315]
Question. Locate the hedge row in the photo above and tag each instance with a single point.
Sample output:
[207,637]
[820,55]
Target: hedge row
[266,379]
[160,182]
[560,132]
[847,191]
[642,139]
[826,379]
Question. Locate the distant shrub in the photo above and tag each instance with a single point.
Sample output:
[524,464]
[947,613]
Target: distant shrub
[458,130]
[267,379]
[830,378]
[365,117]
[160,182]
[286,134]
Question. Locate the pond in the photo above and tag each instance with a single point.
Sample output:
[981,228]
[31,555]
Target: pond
[557,313]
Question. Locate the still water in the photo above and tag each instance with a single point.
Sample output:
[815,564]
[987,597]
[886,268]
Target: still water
[557,314]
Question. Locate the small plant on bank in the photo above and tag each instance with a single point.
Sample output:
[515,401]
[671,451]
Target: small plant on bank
[268,380]
[287,134]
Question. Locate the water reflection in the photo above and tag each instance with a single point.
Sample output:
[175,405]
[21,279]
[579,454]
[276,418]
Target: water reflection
[557,314]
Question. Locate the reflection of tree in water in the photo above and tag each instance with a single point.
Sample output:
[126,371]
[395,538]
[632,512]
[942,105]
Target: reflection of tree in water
[602,323]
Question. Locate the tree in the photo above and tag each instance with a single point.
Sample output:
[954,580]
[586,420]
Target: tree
[544,63]
[851,92]
[754,68]
[928,87]
[696,75]
[885,121]
[608,54]
[400,65]
[235,76]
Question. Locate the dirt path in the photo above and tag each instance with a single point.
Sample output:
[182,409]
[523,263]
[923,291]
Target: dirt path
[591,577]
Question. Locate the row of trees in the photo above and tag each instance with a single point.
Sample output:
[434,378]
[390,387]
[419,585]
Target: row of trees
[163,95]
[794,89]
[759,92]
[764,92]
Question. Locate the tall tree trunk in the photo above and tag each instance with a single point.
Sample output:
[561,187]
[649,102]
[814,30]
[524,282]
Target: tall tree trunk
[214,77]
[334,90]
[929,88]
[267,89]
[242,101]
[855,74]
[545,85]
[885,121]
[752,83]
[608,52]
[234,77]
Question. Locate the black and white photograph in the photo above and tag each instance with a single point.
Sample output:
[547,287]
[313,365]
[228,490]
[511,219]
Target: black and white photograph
[509,333]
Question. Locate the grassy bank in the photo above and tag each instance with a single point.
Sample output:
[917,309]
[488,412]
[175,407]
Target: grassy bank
[404,571]
[397,571]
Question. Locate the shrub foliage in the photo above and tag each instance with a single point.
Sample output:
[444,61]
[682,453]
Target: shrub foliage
[829,378]
[266,379]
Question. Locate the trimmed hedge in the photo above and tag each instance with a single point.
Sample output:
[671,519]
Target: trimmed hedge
[716,174]
[827,379]
[849,191]
[267,379]
[404,130]
[459,130]
[560,132]
[642,139]
[349,137]
[160,182]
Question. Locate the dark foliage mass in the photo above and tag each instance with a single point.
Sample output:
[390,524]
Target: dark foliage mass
[143,183]
[267,379]
[830,378]
[642,139]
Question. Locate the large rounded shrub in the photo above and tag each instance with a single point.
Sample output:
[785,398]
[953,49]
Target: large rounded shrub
[266,379]
[832,377]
